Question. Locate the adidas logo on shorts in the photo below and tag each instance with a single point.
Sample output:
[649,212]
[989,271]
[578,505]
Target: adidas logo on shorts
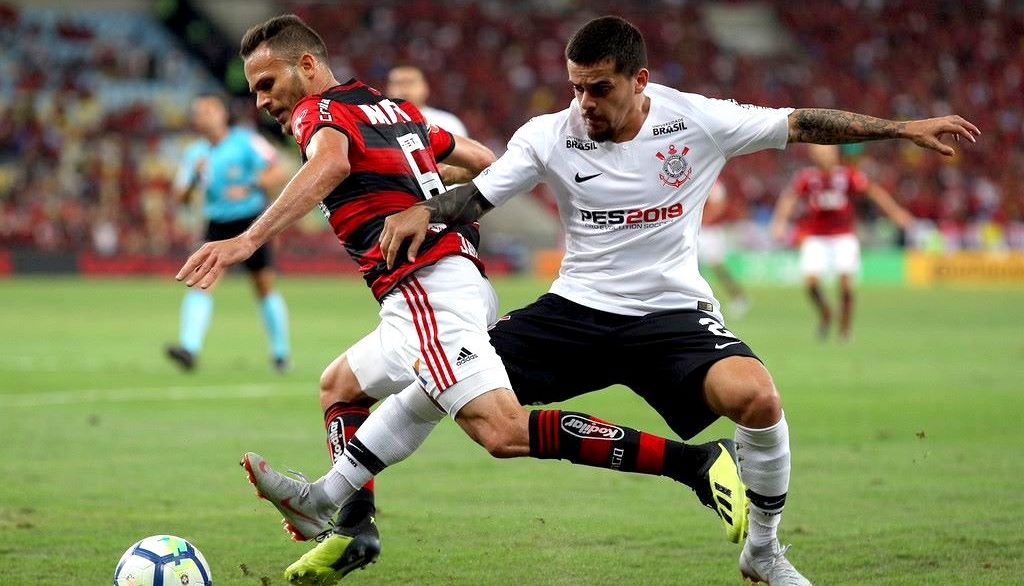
[464,357]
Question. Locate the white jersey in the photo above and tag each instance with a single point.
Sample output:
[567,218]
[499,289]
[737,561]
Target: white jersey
[444,119]
[632,210]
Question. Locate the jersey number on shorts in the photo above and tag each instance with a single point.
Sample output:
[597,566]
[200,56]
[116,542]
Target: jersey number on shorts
[716,328]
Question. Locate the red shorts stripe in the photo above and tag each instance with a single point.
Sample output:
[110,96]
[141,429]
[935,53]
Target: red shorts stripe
[426,329]
[424,336]
[443,363]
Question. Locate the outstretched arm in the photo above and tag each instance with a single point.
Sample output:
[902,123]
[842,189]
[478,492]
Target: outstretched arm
[783,210]
[272,178]
[823,126]
[327,165]
[462,205]
[884,200]
[466,161]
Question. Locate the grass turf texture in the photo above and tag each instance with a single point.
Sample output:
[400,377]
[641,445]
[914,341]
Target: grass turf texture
[906,468]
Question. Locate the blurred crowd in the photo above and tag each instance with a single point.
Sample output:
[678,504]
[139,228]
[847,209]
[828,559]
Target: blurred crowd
[93,107]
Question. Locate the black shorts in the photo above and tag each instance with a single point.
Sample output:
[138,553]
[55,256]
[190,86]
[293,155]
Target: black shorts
[259,260]
[554,349]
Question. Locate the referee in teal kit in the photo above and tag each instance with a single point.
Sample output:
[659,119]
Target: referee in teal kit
[234,169]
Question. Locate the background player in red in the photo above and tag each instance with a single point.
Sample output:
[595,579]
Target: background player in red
[827,228]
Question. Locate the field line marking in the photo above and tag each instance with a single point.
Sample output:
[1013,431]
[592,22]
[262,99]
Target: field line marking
[177,393]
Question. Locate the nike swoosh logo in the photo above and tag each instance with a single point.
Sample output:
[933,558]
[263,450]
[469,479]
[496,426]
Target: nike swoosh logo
[720,346]
[581,178]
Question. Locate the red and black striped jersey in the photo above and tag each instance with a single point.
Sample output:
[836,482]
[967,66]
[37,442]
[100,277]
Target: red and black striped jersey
[393,153]
[829,199]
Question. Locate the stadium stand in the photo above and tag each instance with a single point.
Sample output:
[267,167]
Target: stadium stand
[93,105]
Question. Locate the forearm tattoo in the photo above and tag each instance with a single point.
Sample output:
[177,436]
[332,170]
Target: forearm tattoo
[462,205]
[822,126]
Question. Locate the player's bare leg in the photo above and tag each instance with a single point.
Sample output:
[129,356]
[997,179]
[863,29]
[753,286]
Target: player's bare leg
[742,389]
[845,307]
[739,302]
[498,423]
[822,307]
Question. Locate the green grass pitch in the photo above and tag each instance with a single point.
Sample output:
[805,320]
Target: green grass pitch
[906,461]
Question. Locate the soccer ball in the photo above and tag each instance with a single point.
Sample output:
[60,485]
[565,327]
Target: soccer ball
[162,560]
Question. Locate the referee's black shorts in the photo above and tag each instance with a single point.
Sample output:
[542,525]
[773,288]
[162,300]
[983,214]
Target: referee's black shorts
[555,349]
[259,260]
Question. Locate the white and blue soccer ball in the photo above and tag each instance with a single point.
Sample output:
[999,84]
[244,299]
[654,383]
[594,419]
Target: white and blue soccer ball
[162,560]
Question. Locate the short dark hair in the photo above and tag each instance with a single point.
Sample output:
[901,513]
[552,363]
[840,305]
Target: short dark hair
[213,95]
[608,37]
[286,34]
[221,98]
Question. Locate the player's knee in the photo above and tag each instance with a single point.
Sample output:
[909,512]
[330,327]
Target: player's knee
[338,384]
[498,444]
[501,438]
[741,389]
[762,407]
[497,422]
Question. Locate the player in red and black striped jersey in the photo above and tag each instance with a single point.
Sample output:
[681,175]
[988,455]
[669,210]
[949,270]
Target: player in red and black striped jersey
[366,157]
[386,140]
[827,230]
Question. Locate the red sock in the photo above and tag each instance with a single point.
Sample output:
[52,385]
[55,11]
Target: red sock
[584,439]
[341,421]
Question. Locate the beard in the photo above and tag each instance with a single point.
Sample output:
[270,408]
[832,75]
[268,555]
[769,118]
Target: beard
[598,130]
[603,135]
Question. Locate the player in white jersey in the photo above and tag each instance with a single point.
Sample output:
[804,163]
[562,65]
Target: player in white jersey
[408,82]
[631,163]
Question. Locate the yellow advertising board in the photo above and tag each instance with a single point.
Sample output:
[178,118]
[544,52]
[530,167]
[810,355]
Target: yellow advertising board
[972,267]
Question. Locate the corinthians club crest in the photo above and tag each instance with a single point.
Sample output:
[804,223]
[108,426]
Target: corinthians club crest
[674,169]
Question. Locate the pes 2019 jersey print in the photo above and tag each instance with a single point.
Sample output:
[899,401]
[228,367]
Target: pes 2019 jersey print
[632,210]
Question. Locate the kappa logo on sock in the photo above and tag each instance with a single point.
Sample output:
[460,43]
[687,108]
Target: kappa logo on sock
[464,357]
[582,427]
[336,438]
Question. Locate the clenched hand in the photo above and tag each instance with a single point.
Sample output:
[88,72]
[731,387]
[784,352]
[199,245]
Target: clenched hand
[409,224]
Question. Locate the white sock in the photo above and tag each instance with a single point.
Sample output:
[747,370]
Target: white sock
[764,468]
[392,432]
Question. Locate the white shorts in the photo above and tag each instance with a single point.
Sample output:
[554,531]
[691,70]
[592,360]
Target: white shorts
[711,245]
[839,254]
[433,331]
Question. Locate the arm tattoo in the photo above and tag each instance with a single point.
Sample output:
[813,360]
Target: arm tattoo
[838,127]
[462,205]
